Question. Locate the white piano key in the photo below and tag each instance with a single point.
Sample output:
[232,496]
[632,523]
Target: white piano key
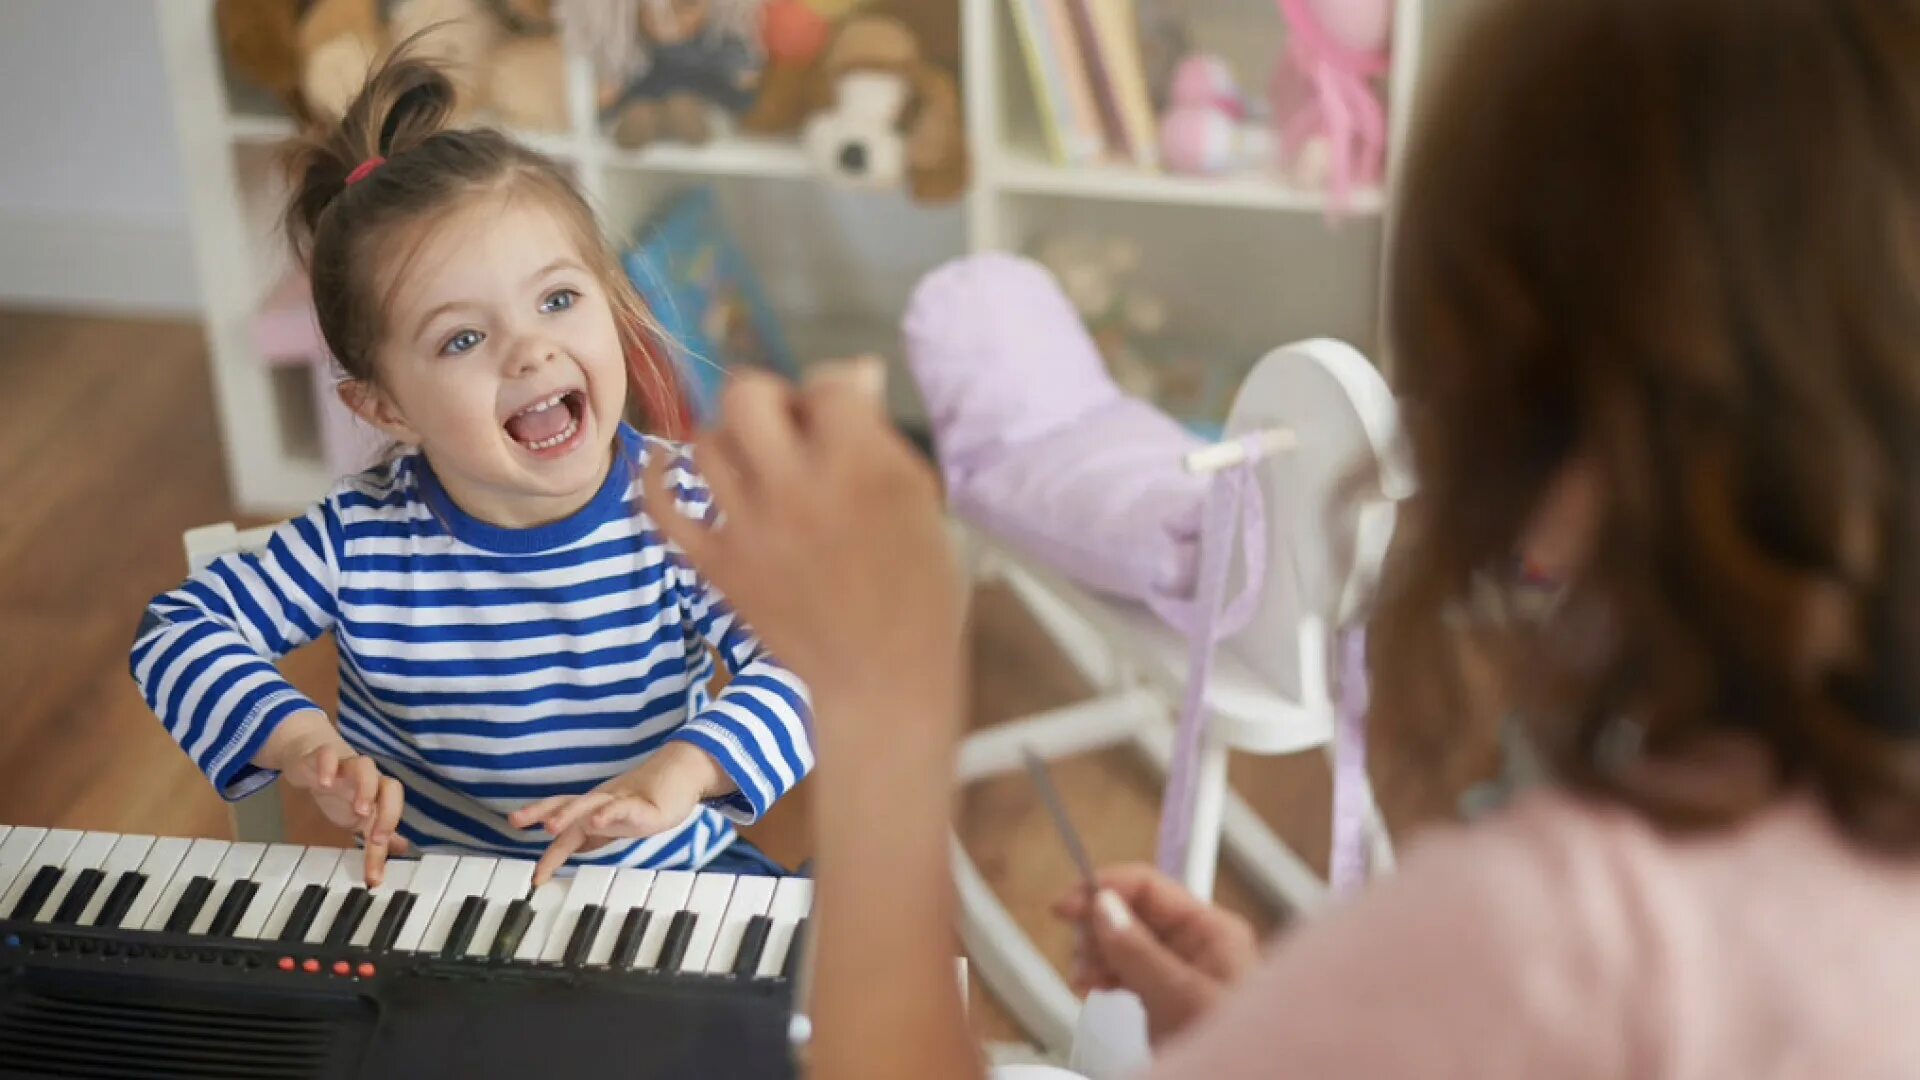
[54,847]
[201,860]
[670,892]
[238,864]
[127,855]
[157,868]
[349,873]
[315,868]
[589,886]
[276,869]
[469,879]
[430,879]
[629,890]
[711,892]
[792,901]
[15,850]
[751,896]
[398,876]
[512,880]
[88,854]
[547,902]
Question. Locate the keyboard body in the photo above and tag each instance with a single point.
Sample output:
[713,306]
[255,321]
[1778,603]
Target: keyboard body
[154,957]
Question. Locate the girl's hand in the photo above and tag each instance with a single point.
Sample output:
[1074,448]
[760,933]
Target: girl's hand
[350,791]
[655,796]
[1147,934]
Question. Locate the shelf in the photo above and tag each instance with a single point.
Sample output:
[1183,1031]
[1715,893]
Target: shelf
[733,155]
[1126,184]
[260,129]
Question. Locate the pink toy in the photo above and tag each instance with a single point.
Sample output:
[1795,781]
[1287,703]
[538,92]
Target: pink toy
[1324,90]
[1204,130]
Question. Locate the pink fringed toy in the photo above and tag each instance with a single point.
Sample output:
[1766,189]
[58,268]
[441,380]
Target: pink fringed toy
[1205,130]
[1324,91]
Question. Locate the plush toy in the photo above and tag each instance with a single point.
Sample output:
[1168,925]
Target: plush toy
[1205,130]
[884,101]
[1328,114]
[664,66]
[795,33]
[260,40]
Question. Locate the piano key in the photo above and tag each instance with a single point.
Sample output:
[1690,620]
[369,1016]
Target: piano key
[237,865]
[314,868]
[15,850]
[349,873]
[398,876]
[628,891]
[707,908]
[347,921]
[88,854]
[202,858]
[430,879]
[671,889]
[792,899]
[512,880]
[753,941]
[157,868]
[271,876]
[114,911]
[39,887]
[387,931]
[588,889]
[466,922]
[674,946]
[52,851]
[233,908]
[81,892]
[545,906]
[187,908]
[128,853]
[796,951]
[586,926]
[513,930]
[305,908]
[470,876]
[626,940]
[751,897]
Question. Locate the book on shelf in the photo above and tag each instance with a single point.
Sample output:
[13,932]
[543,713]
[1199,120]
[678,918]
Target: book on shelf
[1088,78]
[1067,141]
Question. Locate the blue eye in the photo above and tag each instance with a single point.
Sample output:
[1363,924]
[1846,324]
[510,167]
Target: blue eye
[559,300]
[462,342]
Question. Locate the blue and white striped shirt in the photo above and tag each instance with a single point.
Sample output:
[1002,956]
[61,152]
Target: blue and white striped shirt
[482,667]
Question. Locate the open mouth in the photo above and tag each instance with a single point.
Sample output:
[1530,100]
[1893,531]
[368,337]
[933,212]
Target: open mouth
[549,423]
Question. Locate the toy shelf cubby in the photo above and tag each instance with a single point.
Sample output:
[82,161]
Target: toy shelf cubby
[1243,263]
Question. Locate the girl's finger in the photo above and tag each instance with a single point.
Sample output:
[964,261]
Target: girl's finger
[556,855]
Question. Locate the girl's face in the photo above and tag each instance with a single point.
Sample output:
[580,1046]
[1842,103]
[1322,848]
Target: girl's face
[502,361]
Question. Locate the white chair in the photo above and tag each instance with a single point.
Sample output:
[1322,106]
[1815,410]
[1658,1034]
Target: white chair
[1269,692]
[259,817]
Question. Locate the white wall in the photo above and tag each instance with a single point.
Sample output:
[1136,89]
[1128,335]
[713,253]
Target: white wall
[92,206]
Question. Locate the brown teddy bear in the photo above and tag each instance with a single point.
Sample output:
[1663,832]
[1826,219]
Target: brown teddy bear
[883,105]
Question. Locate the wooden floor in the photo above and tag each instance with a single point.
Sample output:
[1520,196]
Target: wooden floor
[109,449]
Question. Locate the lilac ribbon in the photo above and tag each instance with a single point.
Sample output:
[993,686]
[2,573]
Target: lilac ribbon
[1348,862]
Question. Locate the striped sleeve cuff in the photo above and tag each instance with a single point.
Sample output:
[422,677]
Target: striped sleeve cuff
[230,764]
[755,794]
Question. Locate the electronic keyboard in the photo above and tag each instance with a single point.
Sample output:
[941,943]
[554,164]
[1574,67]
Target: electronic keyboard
[141,956]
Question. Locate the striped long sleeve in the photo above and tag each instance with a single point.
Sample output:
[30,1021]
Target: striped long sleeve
[483,667]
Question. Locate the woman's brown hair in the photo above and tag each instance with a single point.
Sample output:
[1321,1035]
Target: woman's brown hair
[1678,243]
[348,227]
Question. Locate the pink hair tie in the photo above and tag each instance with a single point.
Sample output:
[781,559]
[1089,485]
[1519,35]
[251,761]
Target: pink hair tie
[365,169]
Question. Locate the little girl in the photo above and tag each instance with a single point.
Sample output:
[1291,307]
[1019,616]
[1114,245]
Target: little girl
[523,658]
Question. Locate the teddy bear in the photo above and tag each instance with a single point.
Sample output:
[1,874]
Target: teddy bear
[882,104]
[665,66]
[313,55]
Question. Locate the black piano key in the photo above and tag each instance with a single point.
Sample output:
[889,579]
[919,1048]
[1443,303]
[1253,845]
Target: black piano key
[674,948]
[83,889]
[584,931]
[300,919]
[513,927]
[352,910]
[626,944]
[794,948]
[460,936]
[191,898]
[120,900]
[232,909]
[387,930]
[37,891]
[753,942]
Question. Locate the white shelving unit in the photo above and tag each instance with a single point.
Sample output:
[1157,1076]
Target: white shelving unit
[1243,263]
